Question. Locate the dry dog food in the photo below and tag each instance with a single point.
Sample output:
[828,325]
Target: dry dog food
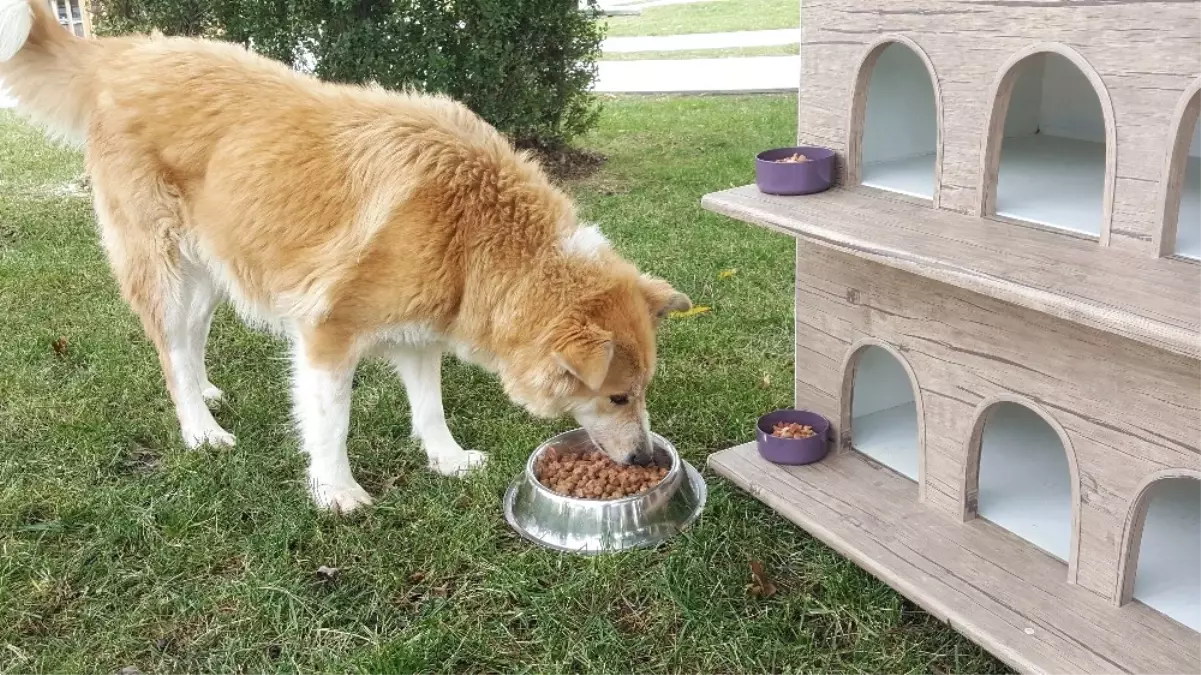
[592,475]
[792,430]
[796,158]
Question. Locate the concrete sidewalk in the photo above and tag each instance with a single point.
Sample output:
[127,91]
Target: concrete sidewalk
[638,5]
[746,74]
[671,43]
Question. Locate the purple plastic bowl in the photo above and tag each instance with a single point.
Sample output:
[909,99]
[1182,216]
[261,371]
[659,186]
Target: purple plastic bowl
[793,450]
[794,178]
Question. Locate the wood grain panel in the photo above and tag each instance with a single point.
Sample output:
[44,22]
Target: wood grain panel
[1157,301]
[993,587]
[1128,409]
[1144,52]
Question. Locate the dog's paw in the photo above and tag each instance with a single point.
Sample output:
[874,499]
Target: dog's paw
[211,394]
[214,436]
[340,498]
[458,464]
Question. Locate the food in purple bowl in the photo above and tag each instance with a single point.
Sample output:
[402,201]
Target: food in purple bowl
[798,170]
[793,437]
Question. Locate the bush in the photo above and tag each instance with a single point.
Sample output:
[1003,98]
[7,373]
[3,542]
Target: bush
[526,66]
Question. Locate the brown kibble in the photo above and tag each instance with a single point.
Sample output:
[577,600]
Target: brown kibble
[796,158]
[792,430]
[593,475]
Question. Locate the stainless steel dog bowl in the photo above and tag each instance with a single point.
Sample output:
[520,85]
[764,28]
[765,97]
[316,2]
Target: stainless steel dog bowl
[592,526]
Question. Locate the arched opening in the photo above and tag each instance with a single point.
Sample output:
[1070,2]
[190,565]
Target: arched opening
[895,121]
[1181,192]
[1163,569]
[1022,475]
[1049,155]
[884,411]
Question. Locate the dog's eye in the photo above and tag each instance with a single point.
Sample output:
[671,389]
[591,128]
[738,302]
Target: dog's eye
[620,400]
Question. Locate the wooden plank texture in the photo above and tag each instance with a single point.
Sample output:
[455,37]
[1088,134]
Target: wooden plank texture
[1143,52]
[1153,301]
[994,588]
[1127,410]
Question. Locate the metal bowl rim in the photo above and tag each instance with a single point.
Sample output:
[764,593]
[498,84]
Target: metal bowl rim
[659,441]
[691,474]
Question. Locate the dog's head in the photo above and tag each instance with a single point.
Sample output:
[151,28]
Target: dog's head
[596,362]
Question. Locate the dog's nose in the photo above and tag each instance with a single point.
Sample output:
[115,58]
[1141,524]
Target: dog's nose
[643,456]
[639,458]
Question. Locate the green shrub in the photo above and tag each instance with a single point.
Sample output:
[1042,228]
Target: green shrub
[526,66]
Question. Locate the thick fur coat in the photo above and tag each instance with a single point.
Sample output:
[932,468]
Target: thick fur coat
[356,222]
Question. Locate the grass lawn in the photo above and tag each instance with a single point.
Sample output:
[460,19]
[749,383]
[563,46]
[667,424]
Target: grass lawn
[119,547]
[769,50]
[713,16]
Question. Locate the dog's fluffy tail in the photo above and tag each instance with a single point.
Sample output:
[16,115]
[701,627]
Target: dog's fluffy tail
[49,71]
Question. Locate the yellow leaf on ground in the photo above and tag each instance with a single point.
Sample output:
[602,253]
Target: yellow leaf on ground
[726,274]
[696,309]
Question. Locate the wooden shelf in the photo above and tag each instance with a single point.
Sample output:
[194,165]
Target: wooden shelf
[996,589]
[1153,301]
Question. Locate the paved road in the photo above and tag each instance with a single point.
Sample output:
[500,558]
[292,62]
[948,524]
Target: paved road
[671,43]
[734,74]
[643,4]
[754,73]
[745,74]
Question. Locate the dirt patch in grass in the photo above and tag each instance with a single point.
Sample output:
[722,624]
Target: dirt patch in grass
[566,164]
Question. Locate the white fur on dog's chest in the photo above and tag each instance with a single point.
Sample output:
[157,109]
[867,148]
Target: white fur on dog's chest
[421,335]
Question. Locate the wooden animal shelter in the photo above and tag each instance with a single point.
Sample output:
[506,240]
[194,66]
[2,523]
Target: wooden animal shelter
[999,309]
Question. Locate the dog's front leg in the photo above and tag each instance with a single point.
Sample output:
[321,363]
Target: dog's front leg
[321,405]
[421,370]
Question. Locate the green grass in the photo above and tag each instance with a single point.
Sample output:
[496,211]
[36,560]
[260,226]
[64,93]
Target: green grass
[119,547]
[770,50]
[717,16]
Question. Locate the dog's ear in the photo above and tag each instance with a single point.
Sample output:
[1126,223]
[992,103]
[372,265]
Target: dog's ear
[585,351]
[662,298]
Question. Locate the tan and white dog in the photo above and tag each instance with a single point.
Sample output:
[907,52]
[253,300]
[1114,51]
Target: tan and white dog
[355,221]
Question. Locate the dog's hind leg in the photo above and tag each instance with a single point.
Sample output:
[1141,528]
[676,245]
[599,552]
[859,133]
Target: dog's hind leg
[421,370]
[140,235]
[323,368]
[203,305]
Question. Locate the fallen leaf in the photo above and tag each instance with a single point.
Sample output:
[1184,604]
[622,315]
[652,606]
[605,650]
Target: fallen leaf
[765,383]
[417,577]
[760,586]
[726,274]
[60,346]
[327,573]
[696,309]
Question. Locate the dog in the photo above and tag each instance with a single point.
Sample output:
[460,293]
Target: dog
[354,221]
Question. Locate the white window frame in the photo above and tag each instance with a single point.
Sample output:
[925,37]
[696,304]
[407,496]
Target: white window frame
[74,18]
